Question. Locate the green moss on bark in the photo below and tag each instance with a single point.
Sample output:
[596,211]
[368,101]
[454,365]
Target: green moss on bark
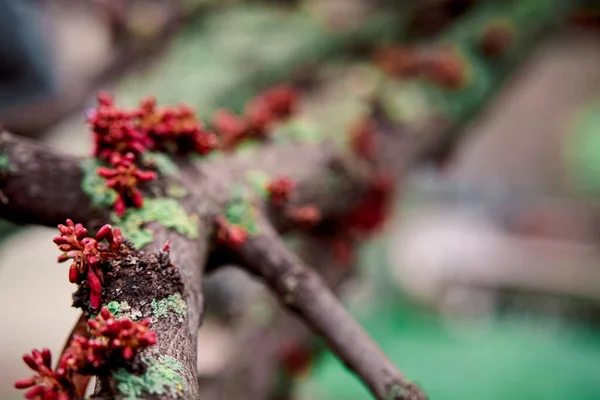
[163,377]
[165,211]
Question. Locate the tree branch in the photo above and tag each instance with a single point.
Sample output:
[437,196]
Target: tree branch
[39,185]
[254,366]
[302,291]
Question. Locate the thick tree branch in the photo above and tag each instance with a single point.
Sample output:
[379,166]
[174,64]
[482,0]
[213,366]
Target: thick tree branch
[304,293]
[39,185]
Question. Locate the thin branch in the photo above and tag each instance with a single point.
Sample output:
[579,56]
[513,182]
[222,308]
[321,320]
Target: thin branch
[253,366]
[303,292]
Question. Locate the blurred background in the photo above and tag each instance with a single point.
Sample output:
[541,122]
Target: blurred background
[485,283]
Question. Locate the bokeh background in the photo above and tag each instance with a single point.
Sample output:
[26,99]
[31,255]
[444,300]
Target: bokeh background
[485,283]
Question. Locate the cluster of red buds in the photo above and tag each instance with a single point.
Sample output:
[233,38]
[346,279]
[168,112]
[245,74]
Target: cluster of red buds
[113,344]
[115,130]
[442,66]
[174,129]
[305,216]
[231,235]
[280,190]
[260,114]
[363,139]
[365,218]
[124,178]
[372,210]
[88,254]
[47,384]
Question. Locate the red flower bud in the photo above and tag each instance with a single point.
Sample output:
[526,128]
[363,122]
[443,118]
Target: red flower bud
[306,216]
[24,383]
[280,190]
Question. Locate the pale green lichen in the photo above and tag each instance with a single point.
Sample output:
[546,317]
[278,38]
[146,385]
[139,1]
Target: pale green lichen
[165,211]
[117,309]
[95,186]
[5,166]
[241,211]
[163,163]
[123,310]
[174,303]
[163,377]
[396,392]
[258,180]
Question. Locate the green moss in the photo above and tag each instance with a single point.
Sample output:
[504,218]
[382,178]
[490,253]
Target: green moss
[123,310]
[241,211]
[174,303]
[258,180]
[163,377]
[94,186]
[163,163]
[5,166]
[165,211]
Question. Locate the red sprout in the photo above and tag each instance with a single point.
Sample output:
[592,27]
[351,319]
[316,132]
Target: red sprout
[174,129]
[305,216]
[115,130]
[231,235]
[372,210]
[122,339]
[280,190]
[124,178]
[446,68]
[260,114]
[88,254]
[399,62]
[230,127]
[47,384]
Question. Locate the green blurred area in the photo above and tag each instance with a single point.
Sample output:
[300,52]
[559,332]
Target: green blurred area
[492,358]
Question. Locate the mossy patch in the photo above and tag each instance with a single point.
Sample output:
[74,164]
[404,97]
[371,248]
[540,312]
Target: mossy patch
[95,186]
[123,310]
[162,162]
[174,303]
[241,211]
[165,211]
[163,377]
[258,180]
